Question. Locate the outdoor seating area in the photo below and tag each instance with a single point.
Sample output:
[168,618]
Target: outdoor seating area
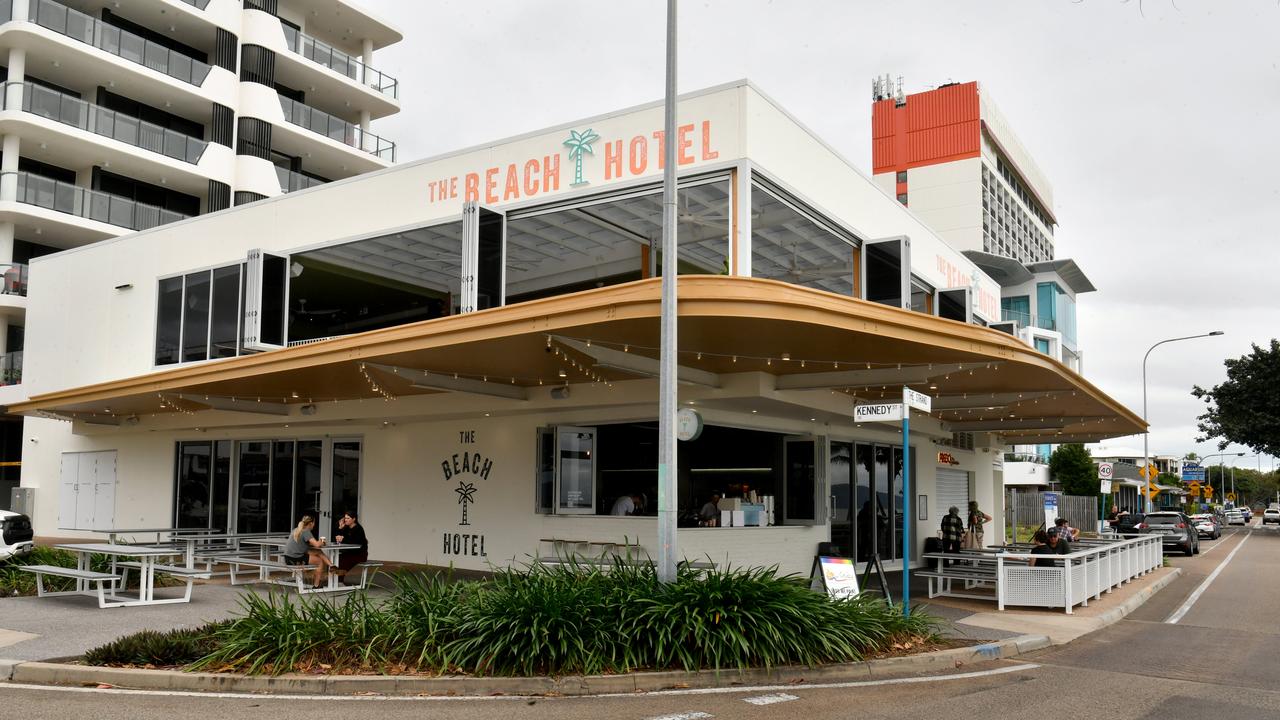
[1005,573]
[187,555]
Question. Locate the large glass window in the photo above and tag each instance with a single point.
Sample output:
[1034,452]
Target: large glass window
[253,487]
[224,331]
[791,243]
[576,477]
[1047,305]
[193,485]
[1016,309]
[281,516]
[195,317]
[306,483]
[345,489]
[169,321]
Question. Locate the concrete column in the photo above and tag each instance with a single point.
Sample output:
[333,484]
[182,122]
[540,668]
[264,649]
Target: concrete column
[4,336]
[7,233]
[740,232]
[988,485]
[17,73]
[21,10]
[365,119]
[366,57]
[10,146]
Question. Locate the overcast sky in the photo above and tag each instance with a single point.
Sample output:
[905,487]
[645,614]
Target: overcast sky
[1156,124]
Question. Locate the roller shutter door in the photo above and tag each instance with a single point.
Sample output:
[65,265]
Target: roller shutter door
[953,489]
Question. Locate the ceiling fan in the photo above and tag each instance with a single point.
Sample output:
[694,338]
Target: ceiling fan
[302,310]
[797,274]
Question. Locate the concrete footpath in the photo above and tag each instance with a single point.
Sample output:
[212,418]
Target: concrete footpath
[36,633]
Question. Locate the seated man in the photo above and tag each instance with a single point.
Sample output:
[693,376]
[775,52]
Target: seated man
[1065,530]
[1041,540]
[1058,541]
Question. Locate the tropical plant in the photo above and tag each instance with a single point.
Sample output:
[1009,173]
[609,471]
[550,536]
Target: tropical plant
[578,144]
[157,649]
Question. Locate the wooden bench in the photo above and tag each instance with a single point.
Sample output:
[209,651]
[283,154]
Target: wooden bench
[96,578]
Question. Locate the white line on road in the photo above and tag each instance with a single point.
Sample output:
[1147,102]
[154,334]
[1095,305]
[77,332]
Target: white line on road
[461,698]
[684,716]
[1186,606]
[771,699]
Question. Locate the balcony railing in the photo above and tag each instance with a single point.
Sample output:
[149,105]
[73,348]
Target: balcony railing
[322,53]
[197,4]
[1027,457]
[1028,320]
[291,181]
[336,128]
[91,204]
[11,368]
[42,101]
[122,43]
[14,279]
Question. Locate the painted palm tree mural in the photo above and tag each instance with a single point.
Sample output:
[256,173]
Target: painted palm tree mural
[579,143]
[466,495]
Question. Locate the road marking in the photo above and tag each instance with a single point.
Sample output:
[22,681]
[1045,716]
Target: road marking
[1186,606]
[684,716]
[490,698]
[771,699]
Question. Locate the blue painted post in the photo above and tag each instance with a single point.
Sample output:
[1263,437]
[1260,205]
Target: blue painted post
[906,510]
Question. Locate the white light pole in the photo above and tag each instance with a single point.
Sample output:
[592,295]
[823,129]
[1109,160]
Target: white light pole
[667,498]
[1209,478]
[1146,453]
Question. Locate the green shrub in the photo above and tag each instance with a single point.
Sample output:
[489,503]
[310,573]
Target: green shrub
[163,649]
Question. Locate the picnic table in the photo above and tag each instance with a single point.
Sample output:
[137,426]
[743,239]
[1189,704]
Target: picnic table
[91,583]
[266,566]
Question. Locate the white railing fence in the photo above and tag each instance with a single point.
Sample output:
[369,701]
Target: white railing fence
[1099,567]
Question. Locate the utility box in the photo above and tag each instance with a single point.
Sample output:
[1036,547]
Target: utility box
[22,500]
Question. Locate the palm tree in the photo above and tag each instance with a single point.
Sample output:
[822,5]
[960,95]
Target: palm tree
[466,495]
[579,143]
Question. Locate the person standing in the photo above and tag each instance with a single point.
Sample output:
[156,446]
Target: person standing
[952,530]
[977,519]
[628,505]
[710,512]
[351,532]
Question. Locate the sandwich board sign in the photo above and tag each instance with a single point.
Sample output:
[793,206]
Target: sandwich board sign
[837,575]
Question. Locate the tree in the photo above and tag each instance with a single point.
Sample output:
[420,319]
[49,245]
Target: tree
[1071,466]
[1246,408]
[1192,457]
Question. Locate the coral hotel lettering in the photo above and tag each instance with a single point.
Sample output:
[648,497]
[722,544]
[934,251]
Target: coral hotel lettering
[623,158]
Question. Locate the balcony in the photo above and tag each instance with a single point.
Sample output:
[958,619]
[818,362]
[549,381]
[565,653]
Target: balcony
[68,110]
[322,53]
[11,368]
[336,128]
[197,4]
[14,279]
[291,181]
[91,204]
[121,43]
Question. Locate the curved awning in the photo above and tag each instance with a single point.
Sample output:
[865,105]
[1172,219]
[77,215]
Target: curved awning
[982,380]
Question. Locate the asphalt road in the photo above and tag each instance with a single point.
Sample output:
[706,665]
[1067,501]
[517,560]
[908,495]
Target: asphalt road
[1217,661]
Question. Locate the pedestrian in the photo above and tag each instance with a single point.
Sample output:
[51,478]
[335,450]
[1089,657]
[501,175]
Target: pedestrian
[977,519]
[352,533]
[303,548]
[952,530]
[1041,540]
[1065,530]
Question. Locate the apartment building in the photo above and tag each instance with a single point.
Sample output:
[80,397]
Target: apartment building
[123,116]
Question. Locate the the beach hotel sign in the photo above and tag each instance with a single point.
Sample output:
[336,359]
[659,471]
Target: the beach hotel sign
[566,164]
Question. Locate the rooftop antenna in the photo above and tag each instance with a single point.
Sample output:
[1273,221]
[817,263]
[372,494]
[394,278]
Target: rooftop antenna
[898,97]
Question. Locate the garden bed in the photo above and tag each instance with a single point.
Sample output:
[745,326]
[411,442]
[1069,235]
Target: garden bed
[541,621]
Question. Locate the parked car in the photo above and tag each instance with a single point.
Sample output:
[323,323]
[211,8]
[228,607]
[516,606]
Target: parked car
[1248,514]
[1176,529]
[1207,525]
[1271,515]
[16,536]
[1235,517]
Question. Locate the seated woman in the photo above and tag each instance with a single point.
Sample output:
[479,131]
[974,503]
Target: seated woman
[1041,539]
[304,549]
[351,532]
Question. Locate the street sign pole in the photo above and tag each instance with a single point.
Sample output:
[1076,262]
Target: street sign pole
[907,518]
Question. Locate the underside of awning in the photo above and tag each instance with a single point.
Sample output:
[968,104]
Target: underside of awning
[981,380]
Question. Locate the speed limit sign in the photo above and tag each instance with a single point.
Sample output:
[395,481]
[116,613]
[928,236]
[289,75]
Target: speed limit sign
[1105,470]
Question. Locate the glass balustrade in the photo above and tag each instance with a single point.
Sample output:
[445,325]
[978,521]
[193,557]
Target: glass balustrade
[11,368]
[291,181]
[91,204]
[336,128]
[42,101]
[88,29]
[15,279]
[322,53]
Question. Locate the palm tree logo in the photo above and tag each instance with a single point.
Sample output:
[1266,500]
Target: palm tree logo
[579,143]
[466,495]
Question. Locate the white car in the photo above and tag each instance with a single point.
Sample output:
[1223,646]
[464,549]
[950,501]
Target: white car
[15,534]
[1271,515]
[1235,517]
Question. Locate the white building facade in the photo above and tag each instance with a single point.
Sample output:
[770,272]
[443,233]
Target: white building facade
[118,117]
[463,350]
